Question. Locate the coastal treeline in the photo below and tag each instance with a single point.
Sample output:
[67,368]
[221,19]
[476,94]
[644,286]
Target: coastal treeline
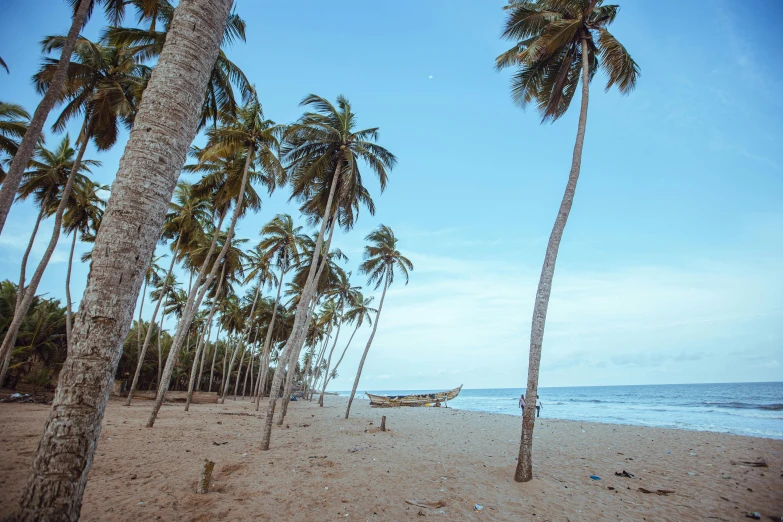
[253,317]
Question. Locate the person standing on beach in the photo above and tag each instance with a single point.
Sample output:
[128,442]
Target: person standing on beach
[522,403]
[539,406]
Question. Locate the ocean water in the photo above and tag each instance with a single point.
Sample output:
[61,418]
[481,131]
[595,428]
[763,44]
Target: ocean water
[754,409]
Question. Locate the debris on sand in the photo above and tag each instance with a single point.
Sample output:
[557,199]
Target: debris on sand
[431,504]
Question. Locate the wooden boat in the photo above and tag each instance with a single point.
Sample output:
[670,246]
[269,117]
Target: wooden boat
[424,399]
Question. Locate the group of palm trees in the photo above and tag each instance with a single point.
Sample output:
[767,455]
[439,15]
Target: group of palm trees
[557,45]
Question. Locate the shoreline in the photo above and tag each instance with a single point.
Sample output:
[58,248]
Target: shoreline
[323,467]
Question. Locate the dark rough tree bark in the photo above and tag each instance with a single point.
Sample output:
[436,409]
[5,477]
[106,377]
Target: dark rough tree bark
[156,151]
[27,147]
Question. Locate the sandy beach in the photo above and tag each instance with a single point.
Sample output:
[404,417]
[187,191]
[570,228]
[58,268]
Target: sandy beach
[322,467]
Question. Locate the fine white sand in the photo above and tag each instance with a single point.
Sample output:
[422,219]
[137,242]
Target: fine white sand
[322,467]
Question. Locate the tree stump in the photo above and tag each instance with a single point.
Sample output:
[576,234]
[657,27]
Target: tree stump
[383,423]
[206,476]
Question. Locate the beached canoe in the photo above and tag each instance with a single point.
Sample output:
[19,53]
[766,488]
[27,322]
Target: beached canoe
[424,399]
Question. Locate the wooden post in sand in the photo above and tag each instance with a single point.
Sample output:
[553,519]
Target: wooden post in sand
[383,423]
[206,476]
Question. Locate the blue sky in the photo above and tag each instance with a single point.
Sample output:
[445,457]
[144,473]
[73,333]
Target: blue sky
[669,270]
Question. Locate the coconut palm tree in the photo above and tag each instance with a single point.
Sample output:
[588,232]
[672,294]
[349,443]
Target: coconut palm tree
[83,216]
[557,44]
[104,84]
[145,181]
[45,181]
[381,261]
[254,137]
[13,125]
[359,311]
[33,135]
[344,293]
[319,147]
[148,43]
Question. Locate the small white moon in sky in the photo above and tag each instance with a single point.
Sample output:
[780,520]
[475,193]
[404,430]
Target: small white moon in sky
[430,77]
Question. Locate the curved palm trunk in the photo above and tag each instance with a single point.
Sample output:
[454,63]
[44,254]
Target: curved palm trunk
[156,151]
[68,307]
[160,352]
[214,356]
[141,308]
[148,335]
[315,375]
[204,346]
[192,382]
[524,470]
[329,359]
[296,338]
[29,293]
[298,349]
[248,373]
[369,342]
[6,360]
[187,317]
[264,367]
[32,135]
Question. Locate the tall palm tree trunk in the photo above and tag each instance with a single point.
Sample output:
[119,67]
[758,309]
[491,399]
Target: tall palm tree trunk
[214,355]
[192,382]
[294,357]
[296,338]
[369,342]
[204,346]
[524,470]
[68,305]
[156,151]
[141,308]
[261,383]
[190,311]
[29,293]
[160,349]
[27,146]
[315,374]
[239,372]
[329,360]
[148,335]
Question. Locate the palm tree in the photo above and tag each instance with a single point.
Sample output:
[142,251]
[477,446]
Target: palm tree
[557,44]
[13,125]
[359,312]
[344,293]
[82,216]
[49,173]
[184,221]
[381,261]
[50,99]
[148,43]
[145,181]
[283,242]
[319,147]
[254,137]
[104,84]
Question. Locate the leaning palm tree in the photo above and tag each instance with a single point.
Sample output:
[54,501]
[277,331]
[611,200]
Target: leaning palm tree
[82,216]
[225,76]
[104,84]
[344,292]
[324,149]
[184,226]
[558,43]
[147,174]
[359,312]
[254,137]
[45,182]
[32,136]
[13,125]
[381,261]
